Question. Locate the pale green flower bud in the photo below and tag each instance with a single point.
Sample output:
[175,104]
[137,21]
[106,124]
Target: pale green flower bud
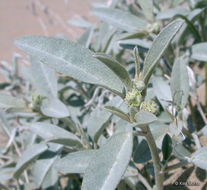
[133,98]
[149,106]
[36,101]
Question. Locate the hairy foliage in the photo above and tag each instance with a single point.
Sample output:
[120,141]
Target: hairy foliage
[84,114]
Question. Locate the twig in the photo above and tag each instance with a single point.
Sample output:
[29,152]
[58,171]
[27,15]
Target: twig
[159,178]
[175,166]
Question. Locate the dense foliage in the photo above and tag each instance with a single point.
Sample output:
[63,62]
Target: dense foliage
[111,110]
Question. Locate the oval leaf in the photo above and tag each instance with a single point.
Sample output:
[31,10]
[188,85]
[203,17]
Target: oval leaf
[144,118]
[28,156]
[120,19]
[118,112]
[109,163]
[116,67]
[179,84]
[7,101]
[70,59]
[170,13]
[199,51]
[159,45]
[44,164]
[199,158]
[75,162]
[147,7]
[55,134]
[44,78]
[53,107]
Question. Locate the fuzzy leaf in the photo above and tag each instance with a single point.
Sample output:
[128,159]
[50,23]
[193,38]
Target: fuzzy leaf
[159,46]
[28,156]
[118,112]
[170,13]
[99,119]
[44,164]
[162,91]
[79,22]
[44,78]
[7,101]
[144,118]
[199,158]
[53,107]
[75,162]
[55,134]
[116,67]
[120,19]
[179,84]
[199,51]
[70,59]
[109,163]
[147,7]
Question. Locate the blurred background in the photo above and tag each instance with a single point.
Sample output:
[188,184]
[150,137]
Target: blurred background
[39,17]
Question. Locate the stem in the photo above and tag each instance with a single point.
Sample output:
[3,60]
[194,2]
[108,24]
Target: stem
[178,165]
[159,178]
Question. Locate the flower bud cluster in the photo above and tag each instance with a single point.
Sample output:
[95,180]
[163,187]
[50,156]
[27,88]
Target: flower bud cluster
[133,98]
[36,101]
[149,106]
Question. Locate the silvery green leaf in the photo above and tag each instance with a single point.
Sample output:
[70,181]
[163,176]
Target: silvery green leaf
[79,22]
[70,59]
[170,13]
[8,101]
[97,122]
[182,33]
[44,78]
[162,91]
[99,5]
[147,7]
[120,19]
[75,162]
[118,112]
[86,37]
[179,150]
[199,158]
[144,118]
[123,126]
[199,51]
[158,131]
[6,174]
[51,180]
[116,67]
[44,164]
[179,83]
[53,107]
[28,156]
[159,46]
[99,119]
[55,134]
[27,74]
[113,157]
